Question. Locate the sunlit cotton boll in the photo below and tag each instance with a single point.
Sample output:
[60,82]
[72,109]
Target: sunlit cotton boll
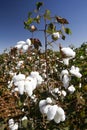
[60,115]
[71,89]
[20,44]
[75,71]
[28,42]
[68,52]
[25,48]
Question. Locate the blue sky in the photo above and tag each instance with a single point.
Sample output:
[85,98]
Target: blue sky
[14,12]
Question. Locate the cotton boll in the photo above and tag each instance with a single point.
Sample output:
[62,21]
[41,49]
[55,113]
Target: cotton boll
[71,89]
[63,93]
[28,88]
[18,77]
[42,103]
[44,109]
[75,71]
[25,48]
[51,112]
[21,87]
[32,82]
[21,43]
[55,35]
[65,81]
[35,74]
[60,115]
[15,127]
[18,46]
[28,42]
[19,64]
[68,52]
[63,73]
[55,90]
[66,61]
[48,100]
[11,122]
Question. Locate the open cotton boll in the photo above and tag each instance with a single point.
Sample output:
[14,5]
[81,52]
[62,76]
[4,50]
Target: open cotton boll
[18,77]
[75,71]
[25,48]
[66,61]
[21,87]
[42,103]
[65,81]
[19,64]
[35,74]
[60,115]
[21,43]
[11,122]
[44,109]
[68,52]
[71,89]
[51,112]
[55,35]
[28,42]
[19,46]
[64,72]
[32,81]
[39,79]
[28,88]
[48,100]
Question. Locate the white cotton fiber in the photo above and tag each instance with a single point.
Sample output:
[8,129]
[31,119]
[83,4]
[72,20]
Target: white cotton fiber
[51,112]
[21,87]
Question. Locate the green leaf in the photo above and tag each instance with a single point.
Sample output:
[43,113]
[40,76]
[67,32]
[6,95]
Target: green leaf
[67,31]
[30,20]
[51,28]
[29,14]
[63,37]
[47,14]
[38,5]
